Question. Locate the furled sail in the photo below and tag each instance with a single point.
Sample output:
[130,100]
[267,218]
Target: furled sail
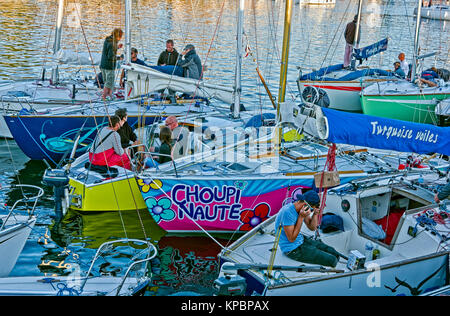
[376,132]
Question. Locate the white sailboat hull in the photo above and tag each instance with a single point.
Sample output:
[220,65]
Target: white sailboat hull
[12,241]
[142,80]
[438,12]
[63,286]
[34,95]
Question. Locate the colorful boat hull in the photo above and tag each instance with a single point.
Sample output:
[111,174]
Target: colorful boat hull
[218,204]
[418,108]
[52,137]
[124,193]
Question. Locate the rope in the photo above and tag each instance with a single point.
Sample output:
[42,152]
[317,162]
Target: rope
[331,164]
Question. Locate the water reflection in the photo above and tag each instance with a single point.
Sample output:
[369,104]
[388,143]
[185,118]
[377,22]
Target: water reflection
[186,264]
[316,38]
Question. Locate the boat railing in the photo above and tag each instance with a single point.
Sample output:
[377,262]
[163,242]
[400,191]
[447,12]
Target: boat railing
[27,197]
[7,107]
[108,246]
[150,155]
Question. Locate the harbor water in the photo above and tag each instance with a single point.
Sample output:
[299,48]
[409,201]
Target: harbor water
[186,263]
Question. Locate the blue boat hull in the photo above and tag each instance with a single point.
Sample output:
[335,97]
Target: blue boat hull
[52,137]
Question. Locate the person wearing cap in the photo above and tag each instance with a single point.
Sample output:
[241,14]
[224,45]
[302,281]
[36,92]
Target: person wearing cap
[349,35]
[191,63]
[398,71]
[290,219]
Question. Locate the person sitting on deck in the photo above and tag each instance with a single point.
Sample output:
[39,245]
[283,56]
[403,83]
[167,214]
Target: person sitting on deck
[169,56]
[429,77]
[191,63]
[165,136]
[404,64]
[106,149]
[292,243]
[398,71]
[180,135]
[127,136]
[443,194]
[135,60]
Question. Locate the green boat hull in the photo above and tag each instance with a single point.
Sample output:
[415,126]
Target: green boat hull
[412,108]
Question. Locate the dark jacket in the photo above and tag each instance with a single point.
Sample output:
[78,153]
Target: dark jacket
[109,53]
[165,150]
[444,193]
[166,58]
[350,31]
[192,65]
[126,135]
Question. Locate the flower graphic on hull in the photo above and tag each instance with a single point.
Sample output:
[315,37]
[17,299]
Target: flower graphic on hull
[160,209]
[293,196]
[146,185]
[252,218]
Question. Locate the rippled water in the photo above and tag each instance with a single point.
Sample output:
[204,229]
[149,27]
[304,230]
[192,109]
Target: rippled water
[187,263]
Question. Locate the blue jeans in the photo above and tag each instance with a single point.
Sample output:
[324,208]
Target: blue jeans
[315,252]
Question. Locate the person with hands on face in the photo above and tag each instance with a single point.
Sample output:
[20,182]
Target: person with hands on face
[304,210]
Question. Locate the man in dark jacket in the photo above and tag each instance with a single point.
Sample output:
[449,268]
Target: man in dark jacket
[191,63]
[109,59]
[169,56]
[349,34]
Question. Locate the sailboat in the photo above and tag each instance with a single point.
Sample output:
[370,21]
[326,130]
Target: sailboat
[141,80]
[132,281]
[246,182]
[14,227]
[336,87]
[435,12]
[31,96]
[52,132]
[412,100]
[85,186]
[392,214]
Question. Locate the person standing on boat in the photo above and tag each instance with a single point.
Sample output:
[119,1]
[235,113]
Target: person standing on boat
[107,149]
[109,60]
[169,56]
[403,63]
[349,35]
[191,63]
[305,209]
[443,194]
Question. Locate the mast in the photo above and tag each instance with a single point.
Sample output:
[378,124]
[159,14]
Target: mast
[57,43]
[127,39]
[284,61]
[237,78]
[285,55]
[355,41]
[416,41]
